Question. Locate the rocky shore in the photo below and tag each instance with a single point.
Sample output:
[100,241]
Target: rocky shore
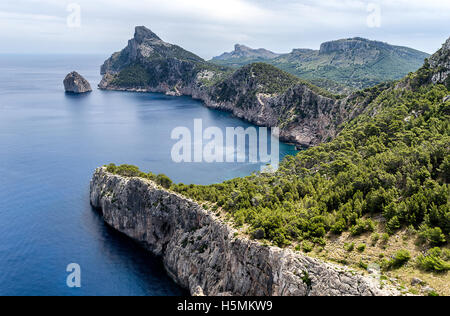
[203,254]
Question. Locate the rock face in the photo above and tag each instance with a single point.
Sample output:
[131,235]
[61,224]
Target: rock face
[75,83]
[440,65]
[201,253]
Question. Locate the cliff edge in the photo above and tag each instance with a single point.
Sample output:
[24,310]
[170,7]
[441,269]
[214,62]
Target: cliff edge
[202,254]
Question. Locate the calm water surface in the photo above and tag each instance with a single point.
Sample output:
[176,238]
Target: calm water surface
[50,144]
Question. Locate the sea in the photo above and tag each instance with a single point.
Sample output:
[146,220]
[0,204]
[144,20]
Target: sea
[51,143]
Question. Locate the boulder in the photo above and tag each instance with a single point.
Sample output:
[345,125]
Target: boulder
[416,281]
[75,83]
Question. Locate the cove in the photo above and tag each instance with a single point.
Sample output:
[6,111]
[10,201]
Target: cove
[50,144]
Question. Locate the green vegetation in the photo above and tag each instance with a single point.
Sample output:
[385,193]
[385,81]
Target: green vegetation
[133,171]
[260,78]
[344,70]
[434,236]
[307,246]
[132,76]
[394,163]
[349,247]
[361,248]
[435,260]
[400,258]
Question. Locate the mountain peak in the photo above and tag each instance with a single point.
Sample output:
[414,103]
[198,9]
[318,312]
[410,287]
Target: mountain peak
[142,33]
[347,44]
[242,51]
[239,48]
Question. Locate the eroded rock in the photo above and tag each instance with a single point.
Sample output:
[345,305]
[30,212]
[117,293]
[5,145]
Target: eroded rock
[75,83]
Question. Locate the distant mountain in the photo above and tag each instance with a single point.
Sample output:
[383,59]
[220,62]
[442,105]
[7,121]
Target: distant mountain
[242,53]
[342,65]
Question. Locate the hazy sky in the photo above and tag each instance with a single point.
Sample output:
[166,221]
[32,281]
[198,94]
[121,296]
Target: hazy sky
[210,27]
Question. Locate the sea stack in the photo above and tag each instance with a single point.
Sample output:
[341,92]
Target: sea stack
[75,83]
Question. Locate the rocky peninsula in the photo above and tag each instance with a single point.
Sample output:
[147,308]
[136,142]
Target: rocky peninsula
[203,254]
[259,93]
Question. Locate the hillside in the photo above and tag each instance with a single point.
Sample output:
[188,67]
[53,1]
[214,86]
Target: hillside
[343,65]
[376,195]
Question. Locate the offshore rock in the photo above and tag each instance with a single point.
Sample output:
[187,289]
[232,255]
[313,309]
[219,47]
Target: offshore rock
[75,83]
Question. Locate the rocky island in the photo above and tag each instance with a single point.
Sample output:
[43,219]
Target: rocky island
[75,83]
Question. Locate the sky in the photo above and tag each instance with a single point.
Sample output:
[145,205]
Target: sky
[211,27]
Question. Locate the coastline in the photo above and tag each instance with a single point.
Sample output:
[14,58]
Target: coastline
[205,255]
[286,136]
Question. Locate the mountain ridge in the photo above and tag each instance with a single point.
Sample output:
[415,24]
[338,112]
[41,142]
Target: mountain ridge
[242,51]
[347,64]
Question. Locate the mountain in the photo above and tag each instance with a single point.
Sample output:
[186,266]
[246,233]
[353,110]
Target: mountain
[243,55]
[259,93]
[344,65]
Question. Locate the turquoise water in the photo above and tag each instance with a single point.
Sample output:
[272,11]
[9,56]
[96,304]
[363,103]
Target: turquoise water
[50,144]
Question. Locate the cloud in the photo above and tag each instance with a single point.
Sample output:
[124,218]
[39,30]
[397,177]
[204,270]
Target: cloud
[208,27]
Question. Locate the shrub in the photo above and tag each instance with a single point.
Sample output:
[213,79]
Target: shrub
[400,258]
[361,248]
[375,237]
[435,260]
[363,265]
[393,225]
[434,236]
[339,227]
[307,246]
[164,181]
[385,238]
[362,226]
[125,170]
[349,247]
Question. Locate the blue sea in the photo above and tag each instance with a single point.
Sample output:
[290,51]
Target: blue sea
[50,145]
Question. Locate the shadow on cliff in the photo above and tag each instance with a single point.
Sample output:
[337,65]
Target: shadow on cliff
[122,250]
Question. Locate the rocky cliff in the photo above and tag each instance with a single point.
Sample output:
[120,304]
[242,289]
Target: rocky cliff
[75,83]
[202,254]
[259,93]
[440,65]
